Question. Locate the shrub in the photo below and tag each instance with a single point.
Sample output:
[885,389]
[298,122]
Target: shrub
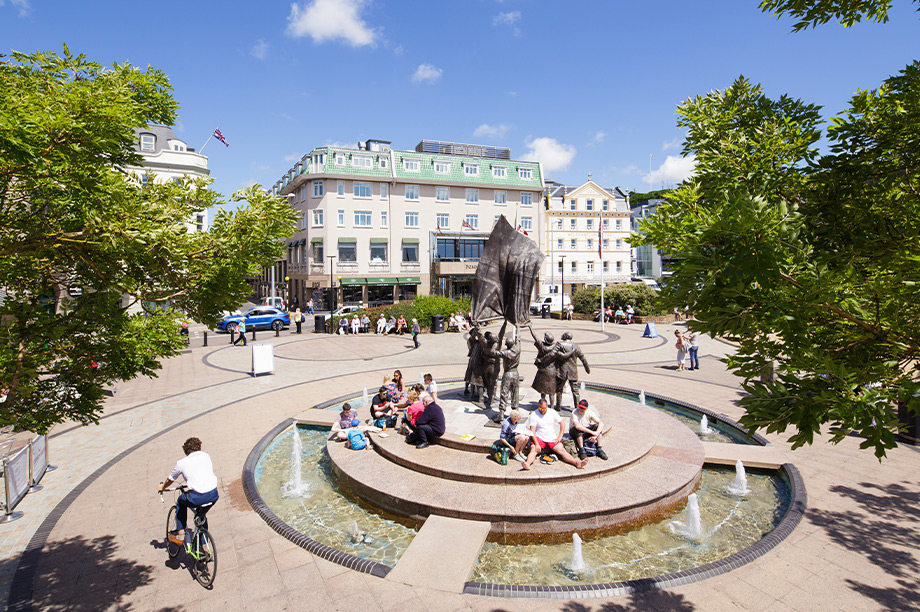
[643,298]
[423,308]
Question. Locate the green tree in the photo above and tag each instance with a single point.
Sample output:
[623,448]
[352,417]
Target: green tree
[72,216]
[811,260]
[812,13]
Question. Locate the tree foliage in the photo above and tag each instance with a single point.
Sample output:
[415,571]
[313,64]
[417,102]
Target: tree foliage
[812,13]
[73,216]
[811,260]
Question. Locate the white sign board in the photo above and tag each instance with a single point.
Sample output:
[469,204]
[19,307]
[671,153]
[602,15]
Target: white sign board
[16,474]
[263,359]
[39,458]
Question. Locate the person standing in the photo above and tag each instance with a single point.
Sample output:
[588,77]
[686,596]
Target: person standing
[681,346]
[298,319]
[569,310]
[415,332]
[694,350]
[310,306]
[198,471]
[242,330]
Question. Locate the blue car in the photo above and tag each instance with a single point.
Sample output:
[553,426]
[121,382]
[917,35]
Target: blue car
[261,317]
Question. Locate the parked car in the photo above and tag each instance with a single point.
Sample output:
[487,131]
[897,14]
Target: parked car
[278,303]
[260,317]
[344,310]
[556,303]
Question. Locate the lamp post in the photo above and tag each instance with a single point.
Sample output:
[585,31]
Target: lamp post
[331,285]
[562,299]
[287,290]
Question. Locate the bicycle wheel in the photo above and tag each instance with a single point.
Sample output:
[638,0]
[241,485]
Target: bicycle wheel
[205,559]
[172,549]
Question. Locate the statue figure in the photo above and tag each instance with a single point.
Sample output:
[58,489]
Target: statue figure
[482,369]
[545,380]
[567,356]
[511,358]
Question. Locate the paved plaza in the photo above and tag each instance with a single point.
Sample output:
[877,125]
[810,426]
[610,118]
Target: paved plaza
[92,539]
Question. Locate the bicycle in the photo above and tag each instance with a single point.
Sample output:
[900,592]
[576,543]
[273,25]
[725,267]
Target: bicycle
[201,550]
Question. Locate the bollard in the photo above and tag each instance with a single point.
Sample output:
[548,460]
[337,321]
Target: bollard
[253,335]
[205,338]
[277,333]
[232,335]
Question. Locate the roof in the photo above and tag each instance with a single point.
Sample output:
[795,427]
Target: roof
[163,135]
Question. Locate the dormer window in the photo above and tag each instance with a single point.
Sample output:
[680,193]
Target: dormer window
[148,142]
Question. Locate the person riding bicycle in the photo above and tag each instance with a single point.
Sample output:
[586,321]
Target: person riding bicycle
[198,472]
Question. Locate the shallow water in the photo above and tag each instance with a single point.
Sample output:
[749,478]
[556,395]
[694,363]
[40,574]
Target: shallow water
[324,513]
[729,524]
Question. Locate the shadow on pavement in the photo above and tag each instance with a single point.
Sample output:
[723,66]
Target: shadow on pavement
[653,601]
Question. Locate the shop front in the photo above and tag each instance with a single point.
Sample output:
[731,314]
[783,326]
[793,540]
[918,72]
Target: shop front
[378,291]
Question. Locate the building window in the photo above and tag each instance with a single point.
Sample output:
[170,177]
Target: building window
[441,167]
[573,205]
[471,169]
[412,192]
[339,159]
[362,190]
[340,188]
[605,205]
[363,218]
[472,196]
[574,267]
[525,174]
[619,244]
[317,218]
[378,253]
[410,164]
[318,252]
[384,163]
[619,224]
[148,142]
[558,223]
[384,190]
[559,267]
[527,223]
[409,253]
[383,219]
[559,244]
[499,172]
[572,244]
[572,224]
[472,221]
[441,194]
[590,267]
[606,267]
[303,220]
[348,252]
[589,224]
[411,219]
[606,244]
[605,223]
[341,218]
[619,266]
[590,246]
[362,161]
[501,197]
[443,220]
[319,160]
[526,199]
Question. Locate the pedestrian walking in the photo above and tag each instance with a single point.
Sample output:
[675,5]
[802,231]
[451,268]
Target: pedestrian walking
[310,306]
[242,330]
[415,332]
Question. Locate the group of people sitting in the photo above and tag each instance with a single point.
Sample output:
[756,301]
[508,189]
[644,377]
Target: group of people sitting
[392,325]
[355,325]
[544,430]
[413,407]
[458,323]
[617,314]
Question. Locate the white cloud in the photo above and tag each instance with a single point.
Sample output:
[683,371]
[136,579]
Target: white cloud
[628,170]
[491,131]
[259,50]
[23,6]
[427,73]
[597,139]
[512,93]
[398,50]
[674,170]
[339,144]
[293,157]
[329,20]
[672,144]
[509,18]
[553,155]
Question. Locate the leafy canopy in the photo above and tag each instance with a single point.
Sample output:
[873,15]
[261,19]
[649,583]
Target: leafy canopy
[809,260]
[73,216]
[812,13]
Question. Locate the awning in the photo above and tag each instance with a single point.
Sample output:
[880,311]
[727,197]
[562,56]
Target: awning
[410,240]
[316,239]
[351,282]
[379,240]
[381,281]
[348,240]
[409,280]
[302,241]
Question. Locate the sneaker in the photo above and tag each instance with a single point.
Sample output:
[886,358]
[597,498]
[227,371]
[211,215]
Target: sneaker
[520,458]
[582,454]
[601,454]
[177,537]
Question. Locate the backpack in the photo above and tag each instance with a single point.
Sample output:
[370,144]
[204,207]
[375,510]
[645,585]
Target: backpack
[500,453]
[386,421]
[357,439]
[590,448]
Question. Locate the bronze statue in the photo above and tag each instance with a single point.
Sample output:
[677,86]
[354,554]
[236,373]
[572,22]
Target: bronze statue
[567,356]
[482,369]
[545,380]
[511,358]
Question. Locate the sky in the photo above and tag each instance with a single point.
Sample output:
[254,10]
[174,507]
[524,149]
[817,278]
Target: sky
[587,87]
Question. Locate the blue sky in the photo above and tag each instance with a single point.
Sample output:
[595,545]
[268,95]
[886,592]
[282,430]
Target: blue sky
[583,86]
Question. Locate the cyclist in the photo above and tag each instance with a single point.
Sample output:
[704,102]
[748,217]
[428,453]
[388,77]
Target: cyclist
[198,472]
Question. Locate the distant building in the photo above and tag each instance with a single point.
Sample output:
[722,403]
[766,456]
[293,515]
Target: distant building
[647,260]
[399,223]
[584,236]
[167,157]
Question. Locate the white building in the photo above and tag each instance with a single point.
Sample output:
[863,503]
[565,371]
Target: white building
[584,236]
[167,158]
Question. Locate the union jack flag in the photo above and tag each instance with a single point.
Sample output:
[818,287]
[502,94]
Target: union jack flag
[467,225]
[220,137]
[522,230]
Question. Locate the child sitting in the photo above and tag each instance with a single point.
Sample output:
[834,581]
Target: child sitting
[355,438]
[340,427]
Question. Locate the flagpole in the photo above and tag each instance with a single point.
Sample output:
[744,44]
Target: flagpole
[207,141]
[600,247]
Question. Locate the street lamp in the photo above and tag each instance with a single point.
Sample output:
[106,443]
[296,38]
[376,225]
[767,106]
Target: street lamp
[562,299]
[331,284]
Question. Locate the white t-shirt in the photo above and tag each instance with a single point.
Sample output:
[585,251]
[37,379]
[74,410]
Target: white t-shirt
[547,424]
[432,388]
[197,471]
[587,418]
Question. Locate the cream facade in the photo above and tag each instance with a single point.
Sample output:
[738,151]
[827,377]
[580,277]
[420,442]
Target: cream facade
[585,232]
[400,223]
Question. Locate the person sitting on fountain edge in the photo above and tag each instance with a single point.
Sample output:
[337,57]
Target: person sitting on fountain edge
[383,408]
[429,426]
[543,423]
[511,438]
[585,422]
[340,428]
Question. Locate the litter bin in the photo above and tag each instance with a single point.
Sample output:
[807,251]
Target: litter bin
[546,314]
[319,324]
[437,324]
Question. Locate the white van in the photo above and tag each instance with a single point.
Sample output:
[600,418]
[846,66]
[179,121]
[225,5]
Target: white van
[650,282]
[556,303]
